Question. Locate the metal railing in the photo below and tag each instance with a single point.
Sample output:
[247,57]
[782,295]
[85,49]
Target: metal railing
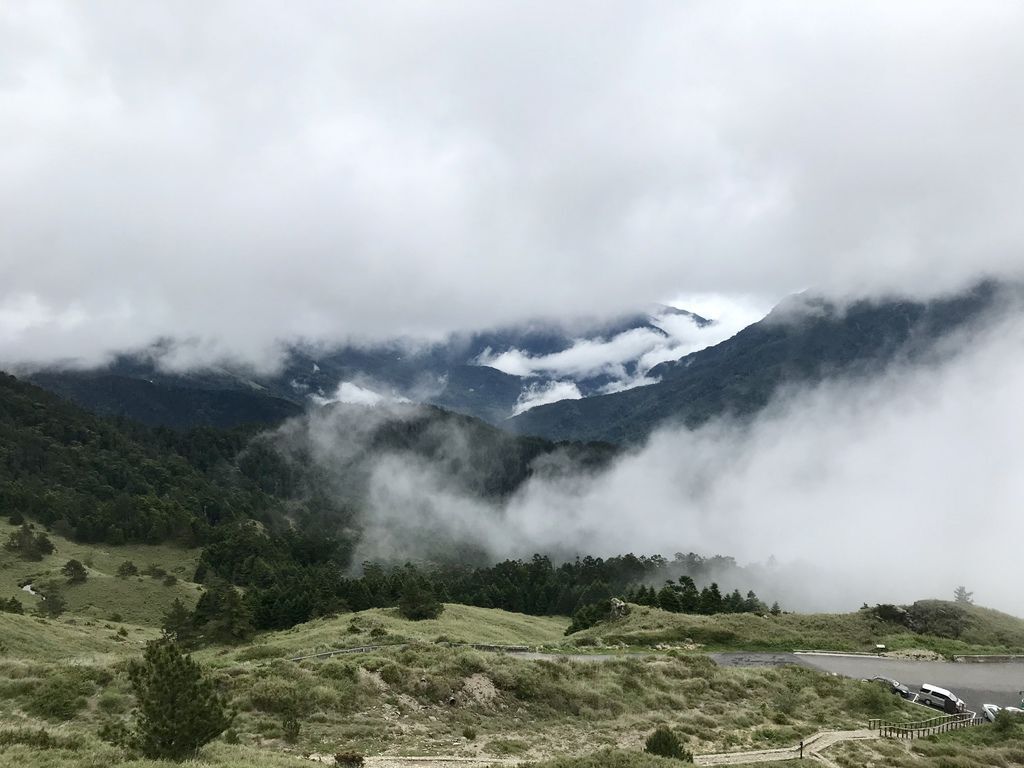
[921,728]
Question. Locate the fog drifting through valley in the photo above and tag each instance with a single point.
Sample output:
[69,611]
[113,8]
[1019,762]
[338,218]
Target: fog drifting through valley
[884,490]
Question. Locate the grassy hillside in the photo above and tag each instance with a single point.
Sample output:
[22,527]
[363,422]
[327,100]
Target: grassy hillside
[973,748]
[378,626]
[985,631]
[136,600]
[31,638]
[423,699]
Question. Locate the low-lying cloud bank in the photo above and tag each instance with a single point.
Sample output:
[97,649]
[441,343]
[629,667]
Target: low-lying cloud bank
[332,171]
[623,360]
[889,489]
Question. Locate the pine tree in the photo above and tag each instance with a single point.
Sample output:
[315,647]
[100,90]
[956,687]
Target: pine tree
[418,602]
[962,596]
[752,604]
[11,606]
[733,602]
[710,600]
[179,708]
[75,572]
[177,623]
[689,597]
[53,604]
[28,544]
[222,616]
[669,599]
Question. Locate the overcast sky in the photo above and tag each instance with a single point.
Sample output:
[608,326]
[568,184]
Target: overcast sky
[246,172]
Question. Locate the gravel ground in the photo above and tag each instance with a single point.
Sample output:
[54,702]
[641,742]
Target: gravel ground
[977,684]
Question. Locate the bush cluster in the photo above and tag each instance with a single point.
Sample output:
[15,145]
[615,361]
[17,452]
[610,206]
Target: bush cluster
[664,743]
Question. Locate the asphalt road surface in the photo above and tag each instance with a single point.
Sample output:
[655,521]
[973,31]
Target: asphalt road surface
[977,684]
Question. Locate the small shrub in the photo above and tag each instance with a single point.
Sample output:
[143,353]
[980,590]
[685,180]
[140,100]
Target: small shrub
[392,674]
[41,739]
[126,569]
[115,732]
[786,702]
[11,606]
[113,703]
[170,580]
[59,698]
[469,734]
[507,747]
[116,617]
[349,759]
[378,632]
[1006,723]
[231,736]
[279,697]
[256,652]
[664,743]
[339,670]
[290,728]
[870,699]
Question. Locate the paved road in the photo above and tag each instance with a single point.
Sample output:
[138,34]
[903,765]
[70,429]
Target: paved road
[977,684]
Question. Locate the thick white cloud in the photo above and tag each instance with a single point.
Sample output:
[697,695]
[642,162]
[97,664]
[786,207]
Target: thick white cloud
[544,393]
[672,337]
[890,489]
[584,359]
[248,171]
[353,394]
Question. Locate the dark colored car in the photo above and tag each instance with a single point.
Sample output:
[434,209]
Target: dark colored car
[894,686]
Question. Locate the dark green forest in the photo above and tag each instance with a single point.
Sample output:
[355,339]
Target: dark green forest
[100,480]
[269,521]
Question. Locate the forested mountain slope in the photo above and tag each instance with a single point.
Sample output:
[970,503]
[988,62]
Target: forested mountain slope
[101,480]
[803,341]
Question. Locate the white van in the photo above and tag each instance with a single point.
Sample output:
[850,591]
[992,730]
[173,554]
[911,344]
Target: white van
[940,698]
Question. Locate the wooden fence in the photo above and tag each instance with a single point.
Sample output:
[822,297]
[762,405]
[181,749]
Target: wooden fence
[916,730]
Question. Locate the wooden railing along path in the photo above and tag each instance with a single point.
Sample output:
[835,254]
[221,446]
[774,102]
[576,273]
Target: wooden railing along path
[920,728]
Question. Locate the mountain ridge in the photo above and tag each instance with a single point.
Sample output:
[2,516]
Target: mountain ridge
[450,374]
[804,340]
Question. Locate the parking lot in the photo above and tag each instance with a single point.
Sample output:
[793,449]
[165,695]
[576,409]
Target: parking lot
[977,684]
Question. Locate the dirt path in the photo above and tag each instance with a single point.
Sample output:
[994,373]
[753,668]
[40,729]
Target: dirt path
[439,761]
[813,747]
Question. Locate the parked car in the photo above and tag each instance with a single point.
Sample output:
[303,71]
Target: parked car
[894,686]
[989,711]
[940,698]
